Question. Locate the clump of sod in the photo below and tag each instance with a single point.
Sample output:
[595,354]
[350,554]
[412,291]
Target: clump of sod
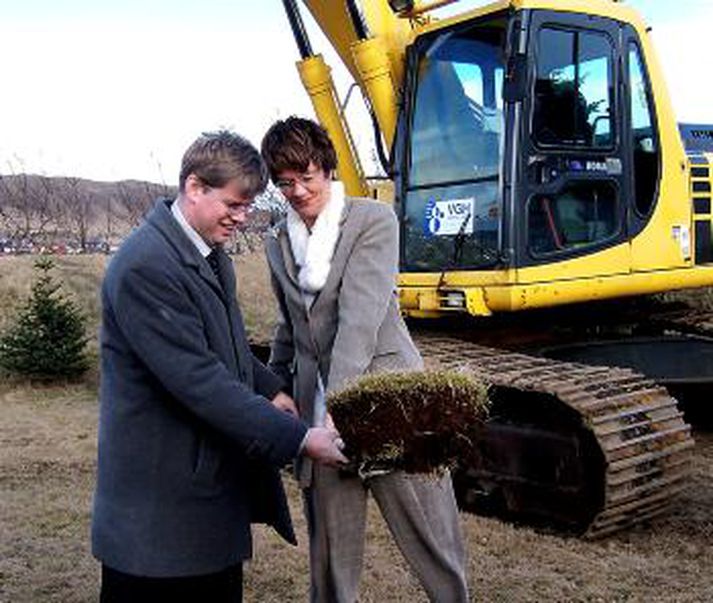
[415,421]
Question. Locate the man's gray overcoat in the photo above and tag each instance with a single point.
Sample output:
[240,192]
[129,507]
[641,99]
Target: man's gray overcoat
[188,443]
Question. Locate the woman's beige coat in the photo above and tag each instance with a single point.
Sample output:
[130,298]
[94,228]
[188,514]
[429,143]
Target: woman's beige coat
[354,325]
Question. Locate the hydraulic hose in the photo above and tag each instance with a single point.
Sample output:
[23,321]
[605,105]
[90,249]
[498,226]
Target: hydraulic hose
[298,28]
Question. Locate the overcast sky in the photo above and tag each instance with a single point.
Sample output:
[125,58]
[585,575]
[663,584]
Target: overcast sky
[113,89]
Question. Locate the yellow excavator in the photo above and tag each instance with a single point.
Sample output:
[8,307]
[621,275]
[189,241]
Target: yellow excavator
[538,172]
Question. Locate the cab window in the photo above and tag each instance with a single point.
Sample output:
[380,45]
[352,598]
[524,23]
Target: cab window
[573,97]
[582,214]
[644,142]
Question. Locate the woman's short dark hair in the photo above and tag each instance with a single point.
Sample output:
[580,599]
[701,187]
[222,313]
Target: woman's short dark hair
[293,143]
[216,158]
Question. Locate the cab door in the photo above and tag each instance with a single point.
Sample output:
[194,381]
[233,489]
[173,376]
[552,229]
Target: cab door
[574,159]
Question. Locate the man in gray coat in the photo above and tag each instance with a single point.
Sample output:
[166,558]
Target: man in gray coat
[192,426]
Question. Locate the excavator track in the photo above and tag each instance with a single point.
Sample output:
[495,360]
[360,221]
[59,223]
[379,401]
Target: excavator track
[634,446]
[691,321]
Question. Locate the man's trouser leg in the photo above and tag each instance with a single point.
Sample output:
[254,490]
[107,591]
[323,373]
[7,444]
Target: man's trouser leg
[222,587]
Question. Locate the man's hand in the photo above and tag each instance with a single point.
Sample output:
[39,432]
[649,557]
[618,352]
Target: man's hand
[285,403]
[323,445]
[329,424]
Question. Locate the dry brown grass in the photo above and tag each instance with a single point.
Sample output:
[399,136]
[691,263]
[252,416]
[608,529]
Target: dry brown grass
[47,459]
[47,453]
[255,296]
[81,278]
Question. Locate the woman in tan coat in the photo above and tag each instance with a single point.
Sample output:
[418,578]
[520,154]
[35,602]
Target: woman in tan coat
[333,262]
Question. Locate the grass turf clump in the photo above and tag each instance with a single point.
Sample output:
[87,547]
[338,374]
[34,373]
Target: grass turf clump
[416,421]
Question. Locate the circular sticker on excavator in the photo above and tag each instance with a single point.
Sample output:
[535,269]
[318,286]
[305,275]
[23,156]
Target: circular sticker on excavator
[448,217]
[431,219]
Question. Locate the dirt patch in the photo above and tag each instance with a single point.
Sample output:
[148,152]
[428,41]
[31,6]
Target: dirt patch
[419,421]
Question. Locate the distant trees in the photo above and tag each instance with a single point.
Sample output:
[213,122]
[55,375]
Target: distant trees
[69,214]
[133,199]
[78,208]
[28,210]
[41,214]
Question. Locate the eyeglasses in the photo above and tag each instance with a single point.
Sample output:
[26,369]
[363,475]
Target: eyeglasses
[238,210]
[308,180]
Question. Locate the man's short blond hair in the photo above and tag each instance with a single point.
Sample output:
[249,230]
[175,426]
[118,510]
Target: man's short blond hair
[216,158]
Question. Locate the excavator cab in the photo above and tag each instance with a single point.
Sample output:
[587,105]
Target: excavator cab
[483,186]
[530,139]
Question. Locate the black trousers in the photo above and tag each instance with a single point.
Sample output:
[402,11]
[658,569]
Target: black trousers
[221,587]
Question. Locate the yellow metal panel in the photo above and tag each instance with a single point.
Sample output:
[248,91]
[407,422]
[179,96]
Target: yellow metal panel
[486,300]
[556,283]
[477,302]
[481,11]
[459,278]
[656,246]
[555,293]
[334,20]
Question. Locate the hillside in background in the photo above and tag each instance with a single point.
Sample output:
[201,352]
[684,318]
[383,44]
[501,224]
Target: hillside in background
[68,214]
[42,214]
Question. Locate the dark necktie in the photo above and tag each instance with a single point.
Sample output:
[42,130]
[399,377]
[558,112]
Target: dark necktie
[212,258]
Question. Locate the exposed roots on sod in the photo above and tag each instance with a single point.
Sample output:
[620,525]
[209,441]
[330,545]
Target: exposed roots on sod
[416,421]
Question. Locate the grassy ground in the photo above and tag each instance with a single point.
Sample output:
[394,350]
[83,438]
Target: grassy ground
[47,459]
[81,277]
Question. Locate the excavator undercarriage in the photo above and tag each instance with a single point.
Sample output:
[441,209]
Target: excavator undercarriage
[580,448]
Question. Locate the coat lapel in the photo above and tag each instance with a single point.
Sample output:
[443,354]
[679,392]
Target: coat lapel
[162,220]
[207,275]
[288,259]
[337,258]
[166,224]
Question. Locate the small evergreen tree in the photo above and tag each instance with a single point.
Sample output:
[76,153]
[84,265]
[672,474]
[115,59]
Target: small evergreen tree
[48,340]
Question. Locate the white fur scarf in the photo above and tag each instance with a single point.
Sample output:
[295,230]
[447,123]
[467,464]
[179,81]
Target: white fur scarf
[313,251]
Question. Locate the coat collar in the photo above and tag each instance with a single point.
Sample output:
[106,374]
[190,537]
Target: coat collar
[283,239]
[163,220]
[177,212]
